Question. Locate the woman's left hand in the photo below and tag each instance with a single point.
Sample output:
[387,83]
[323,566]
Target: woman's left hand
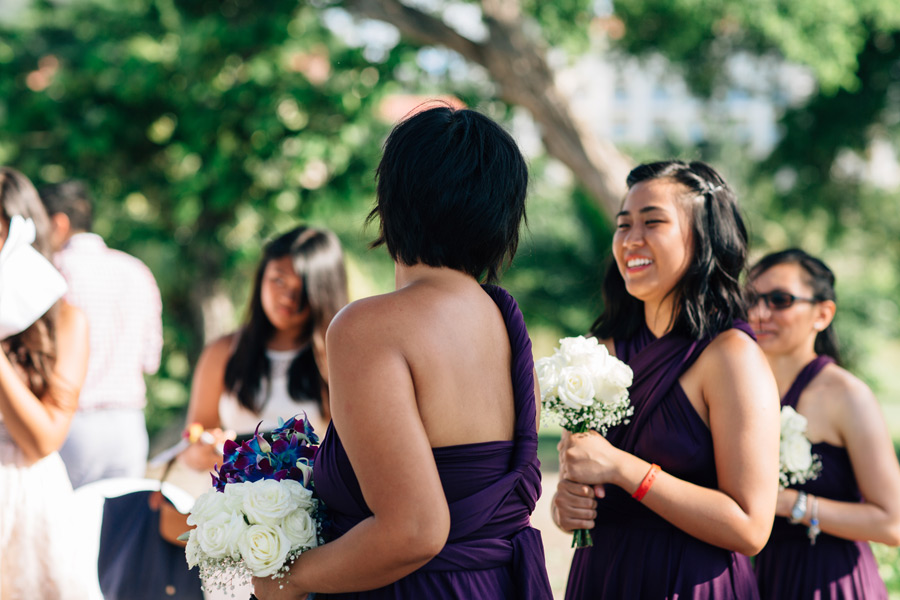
[266,588]
[588,458]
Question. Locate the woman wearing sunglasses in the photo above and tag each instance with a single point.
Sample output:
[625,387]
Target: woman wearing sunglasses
[818,547]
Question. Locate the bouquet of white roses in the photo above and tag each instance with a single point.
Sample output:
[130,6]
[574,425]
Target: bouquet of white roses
[796,462]
[261,514]
[583,387]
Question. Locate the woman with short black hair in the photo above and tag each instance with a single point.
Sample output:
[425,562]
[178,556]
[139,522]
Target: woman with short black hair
[429,469]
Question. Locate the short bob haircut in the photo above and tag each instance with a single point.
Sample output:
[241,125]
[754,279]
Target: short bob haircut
[709,296]
[451,190]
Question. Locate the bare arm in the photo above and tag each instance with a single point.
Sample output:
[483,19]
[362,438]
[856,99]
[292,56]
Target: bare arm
[208,384]
[207,387]
[39,426]
[375,410]
[859,420]
[741,395]
[318,342]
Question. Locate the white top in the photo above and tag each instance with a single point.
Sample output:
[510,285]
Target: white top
[234,416]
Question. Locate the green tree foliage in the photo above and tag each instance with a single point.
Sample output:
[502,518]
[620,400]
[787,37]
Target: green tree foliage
[825,35]
[812,191]
[203,127]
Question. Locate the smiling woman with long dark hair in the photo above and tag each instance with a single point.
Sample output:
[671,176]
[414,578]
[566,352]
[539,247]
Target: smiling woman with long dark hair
[678,498]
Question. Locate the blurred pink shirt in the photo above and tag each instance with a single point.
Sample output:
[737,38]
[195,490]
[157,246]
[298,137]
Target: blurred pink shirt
[121,301]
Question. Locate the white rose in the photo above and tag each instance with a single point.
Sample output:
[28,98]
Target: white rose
[218,537]
[264,549]
[577,351]
[548,372]
[300,529]
[207,506]
[235,494]
[192,551]
[301,497]
[620,372]
[268,502]
[576,389]
[792,422]
[611,378]
[796,454]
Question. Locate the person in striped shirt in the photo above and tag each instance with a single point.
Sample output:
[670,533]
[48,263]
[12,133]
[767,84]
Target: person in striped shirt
[119,296]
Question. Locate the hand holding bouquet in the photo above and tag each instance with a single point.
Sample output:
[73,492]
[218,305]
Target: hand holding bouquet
[796,462]
[583,387]
[261,513]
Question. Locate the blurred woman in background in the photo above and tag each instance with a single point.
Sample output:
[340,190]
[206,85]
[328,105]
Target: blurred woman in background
[274,365]
[42,370]
[818,547]
[429,469]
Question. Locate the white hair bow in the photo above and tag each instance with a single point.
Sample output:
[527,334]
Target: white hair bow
[29,284]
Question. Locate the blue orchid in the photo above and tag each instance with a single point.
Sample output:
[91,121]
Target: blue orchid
[286,452]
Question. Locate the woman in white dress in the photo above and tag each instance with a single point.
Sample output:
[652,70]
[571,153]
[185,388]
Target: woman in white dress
[274,365]
[42,370]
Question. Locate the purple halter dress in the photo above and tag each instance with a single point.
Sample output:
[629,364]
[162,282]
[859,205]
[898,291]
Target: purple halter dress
[491,488]
[637,554]
[789,567]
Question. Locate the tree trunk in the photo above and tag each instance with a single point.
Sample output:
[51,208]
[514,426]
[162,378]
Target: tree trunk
[518,65]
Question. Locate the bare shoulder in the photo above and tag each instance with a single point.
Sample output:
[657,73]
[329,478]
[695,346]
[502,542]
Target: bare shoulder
[733,370]
[72,347]
[370,318]
[732,347]
[72,322]
[221,348]
[215,356]
[845,383]
[847,395]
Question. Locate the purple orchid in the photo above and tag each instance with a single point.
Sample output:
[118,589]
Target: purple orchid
[286,452]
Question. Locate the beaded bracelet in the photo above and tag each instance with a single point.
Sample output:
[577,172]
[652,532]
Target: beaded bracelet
[814,529]
[646,482]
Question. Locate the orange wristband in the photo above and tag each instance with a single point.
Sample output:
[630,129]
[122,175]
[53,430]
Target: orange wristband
[646,483]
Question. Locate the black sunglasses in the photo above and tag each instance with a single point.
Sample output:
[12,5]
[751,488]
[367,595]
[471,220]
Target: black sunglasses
[778,300]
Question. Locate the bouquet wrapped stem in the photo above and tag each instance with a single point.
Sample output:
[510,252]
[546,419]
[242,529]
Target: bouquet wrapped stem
[581,538]
[584,388]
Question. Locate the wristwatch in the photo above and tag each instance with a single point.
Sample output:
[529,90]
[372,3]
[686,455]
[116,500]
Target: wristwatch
[799,509]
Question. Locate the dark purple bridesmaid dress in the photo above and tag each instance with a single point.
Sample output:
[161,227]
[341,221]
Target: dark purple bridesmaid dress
[491,488]
[637,554]
[789,567]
